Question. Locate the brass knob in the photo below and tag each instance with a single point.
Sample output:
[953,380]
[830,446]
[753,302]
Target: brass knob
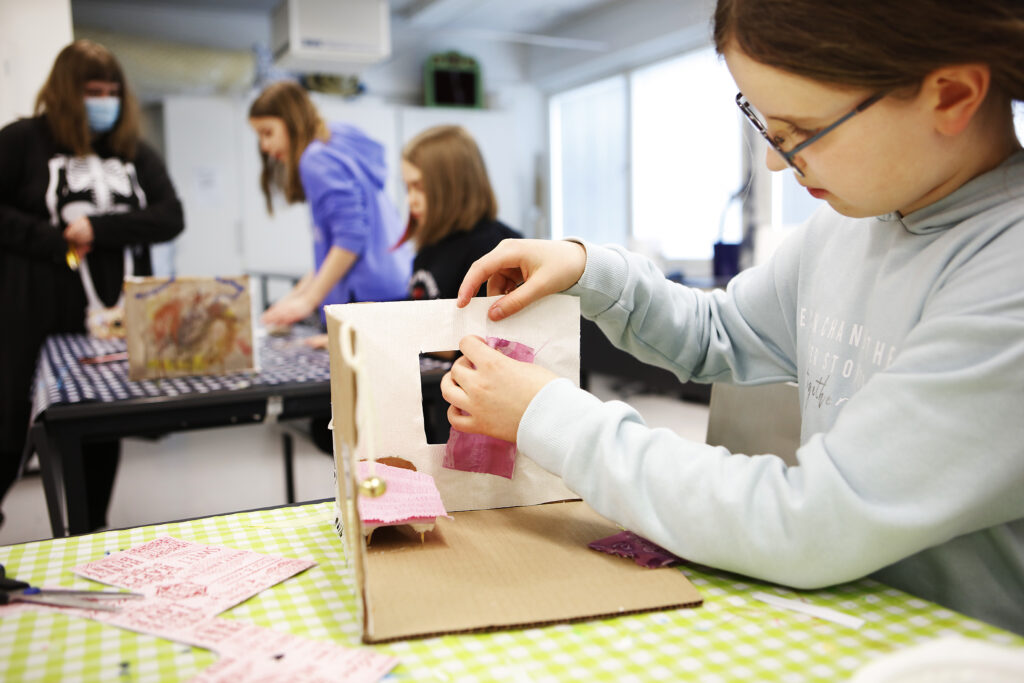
[374,487]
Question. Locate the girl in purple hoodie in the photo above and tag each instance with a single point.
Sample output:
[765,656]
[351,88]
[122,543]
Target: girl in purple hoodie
[341,172]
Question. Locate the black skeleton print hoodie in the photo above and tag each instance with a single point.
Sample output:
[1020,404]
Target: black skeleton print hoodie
[130,203]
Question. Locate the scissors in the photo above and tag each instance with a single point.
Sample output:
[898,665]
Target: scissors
[12,590]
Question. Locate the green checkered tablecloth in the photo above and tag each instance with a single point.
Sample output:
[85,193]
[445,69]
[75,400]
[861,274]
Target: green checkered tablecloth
[733,637]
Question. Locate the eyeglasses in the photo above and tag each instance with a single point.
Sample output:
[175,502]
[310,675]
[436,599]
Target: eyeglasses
[761,127]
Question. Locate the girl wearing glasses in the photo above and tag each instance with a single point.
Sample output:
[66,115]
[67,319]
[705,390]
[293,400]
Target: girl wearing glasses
[898,309]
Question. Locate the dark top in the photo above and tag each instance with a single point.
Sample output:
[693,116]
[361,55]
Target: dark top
[130,202]
[438,269]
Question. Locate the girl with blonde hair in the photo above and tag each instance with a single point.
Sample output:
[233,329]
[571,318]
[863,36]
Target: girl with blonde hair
[452,210]
[341,173]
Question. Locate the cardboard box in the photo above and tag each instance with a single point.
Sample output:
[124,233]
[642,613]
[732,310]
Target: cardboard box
[515,551]
[188,326]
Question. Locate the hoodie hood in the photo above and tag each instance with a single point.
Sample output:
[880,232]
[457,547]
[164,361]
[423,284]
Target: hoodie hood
[365,152]
[972,198]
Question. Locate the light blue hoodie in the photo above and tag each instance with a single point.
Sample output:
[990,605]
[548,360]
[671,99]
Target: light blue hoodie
[906,336]
[344,179]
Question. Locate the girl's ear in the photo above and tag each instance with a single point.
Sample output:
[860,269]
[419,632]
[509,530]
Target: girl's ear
[956,93]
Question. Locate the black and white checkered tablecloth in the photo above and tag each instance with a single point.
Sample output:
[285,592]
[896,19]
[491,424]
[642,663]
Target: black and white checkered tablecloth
[61,377]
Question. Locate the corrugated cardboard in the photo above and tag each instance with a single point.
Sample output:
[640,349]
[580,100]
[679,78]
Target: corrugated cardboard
[510,567]
[188,326]
[515,551]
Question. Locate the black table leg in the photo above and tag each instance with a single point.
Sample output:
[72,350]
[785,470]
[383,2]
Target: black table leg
[51,472]
[70,449]
[289,466]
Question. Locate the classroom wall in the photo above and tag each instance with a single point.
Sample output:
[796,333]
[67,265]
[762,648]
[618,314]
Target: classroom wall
[31,35]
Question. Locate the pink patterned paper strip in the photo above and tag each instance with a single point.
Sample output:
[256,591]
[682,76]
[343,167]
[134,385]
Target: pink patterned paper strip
[478,452]
[409,496]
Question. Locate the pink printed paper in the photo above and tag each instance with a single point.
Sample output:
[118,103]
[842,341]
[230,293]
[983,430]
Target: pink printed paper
[188,584]
[478,452]
[643,552]
[251,653]
[410,497]
[206,578]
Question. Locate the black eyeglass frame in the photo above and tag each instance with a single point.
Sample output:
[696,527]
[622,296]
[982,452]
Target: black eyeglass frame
[752,117]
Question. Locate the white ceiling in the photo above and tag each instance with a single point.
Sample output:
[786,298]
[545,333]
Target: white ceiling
[522,16]
[530,17]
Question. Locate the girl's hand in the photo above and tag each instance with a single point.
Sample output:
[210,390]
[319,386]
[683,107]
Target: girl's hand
[288,310]
[488,391]
[79,233]
[317,341]
[524,271]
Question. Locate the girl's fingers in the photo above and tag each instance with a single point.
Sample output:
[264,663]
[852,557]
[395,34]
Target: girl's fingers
[474,350]
[452,391]
[503,259]
[460,420]
[504,282]
[516,300]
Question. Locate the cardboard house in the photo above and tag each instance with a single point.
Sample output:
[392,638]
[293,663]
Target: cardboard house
[513,552]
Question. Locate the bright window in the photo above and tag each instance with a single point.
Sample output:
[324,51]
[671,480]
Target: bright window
[650,159]
[588,162]
[686,149]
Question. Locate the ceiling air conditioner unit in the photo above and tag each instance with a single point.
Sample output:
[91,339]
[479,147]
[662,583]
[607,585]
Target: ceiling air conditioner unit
[330,36]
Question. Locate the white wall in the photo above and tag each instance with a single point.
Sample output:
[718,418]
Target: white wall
[31,35]
[203,142]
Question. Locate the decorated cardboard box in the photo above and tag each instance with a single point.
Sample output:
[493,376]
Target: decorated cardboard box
[505,545]
[188,326]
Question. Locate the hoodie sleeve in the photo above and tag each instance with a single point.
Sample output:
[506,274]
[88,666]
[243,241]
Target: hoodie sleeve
[20,231]
[338,201]
[742,335]
[927,451]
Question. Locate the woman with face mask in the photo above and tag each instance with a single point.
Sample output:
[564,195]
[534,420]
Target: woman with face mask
[76,182]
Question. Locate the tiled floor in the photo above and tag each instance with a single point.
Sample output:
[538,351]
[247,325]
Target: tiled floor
[214,471]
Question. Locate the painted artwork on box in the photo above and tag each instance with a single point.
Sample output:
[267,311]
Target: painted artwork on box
[188,326]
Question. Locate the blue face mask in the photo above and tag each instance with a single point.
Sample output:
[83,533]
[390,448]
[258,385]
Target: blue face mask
[102,112]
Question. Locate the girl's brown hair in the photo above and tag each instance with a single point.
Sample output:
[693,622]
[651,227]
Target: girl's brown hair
[62,99]
[289,102]
[878,44]
[455,183]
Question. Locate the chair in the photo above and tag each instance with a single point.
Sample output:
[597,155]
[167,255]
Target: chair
[756,419]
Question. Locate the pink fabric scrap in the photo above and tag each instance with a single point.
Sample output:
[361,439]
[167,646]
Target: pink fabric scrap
[480,453]
[643,552]
[409,496]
